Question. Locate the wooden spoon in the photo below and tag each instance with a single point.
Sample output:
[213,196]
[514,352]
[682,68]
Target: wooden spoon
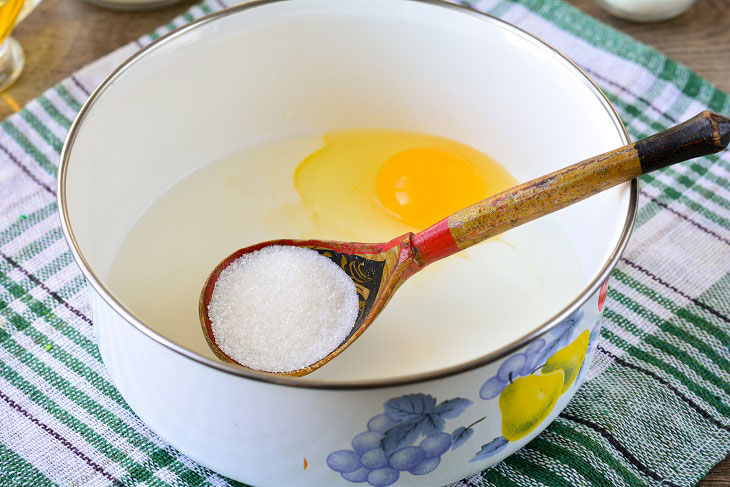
[378,269]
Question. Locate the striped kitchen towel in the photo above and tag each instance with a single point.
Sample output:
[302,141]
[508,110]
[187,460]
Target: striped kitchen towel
[655,409]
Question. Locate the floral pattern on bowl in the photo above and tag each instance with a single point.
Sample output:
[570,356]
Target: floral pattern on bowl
[410,436]
[528,384]
[391,445]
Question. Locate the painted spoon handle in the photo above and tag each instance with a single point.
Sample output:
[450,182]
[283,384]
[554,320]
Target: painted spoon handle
[706,133]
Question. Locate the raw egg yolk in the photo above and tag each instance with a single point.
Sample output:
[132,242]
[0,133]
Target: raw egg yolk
[421,185]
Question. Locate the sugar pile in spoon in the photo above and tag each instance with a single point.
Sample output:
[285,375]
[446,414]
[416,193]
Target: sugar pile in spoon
[282,308]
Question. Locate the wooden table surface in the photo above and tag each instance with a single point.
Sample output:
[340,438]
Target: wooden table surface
[61,36]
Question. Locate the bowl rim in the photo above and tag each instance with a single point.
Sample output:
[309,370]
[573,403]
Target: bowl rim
[277,379]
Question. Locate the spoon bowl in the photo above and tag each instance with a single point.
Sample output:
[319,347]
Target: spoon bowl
[379,269]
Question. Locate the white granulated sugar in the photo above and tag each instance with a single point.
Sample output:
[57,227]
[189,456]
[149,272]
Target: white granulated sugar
[282,308]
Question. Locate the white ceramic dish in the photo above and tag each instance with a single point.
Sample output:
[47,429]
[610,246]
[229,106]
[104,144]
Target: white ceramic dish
[646,10]
[273,68]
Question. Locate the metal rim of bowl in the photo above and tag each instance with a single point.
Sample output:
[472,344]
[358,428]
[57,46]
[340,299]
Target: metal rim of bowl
[493,356]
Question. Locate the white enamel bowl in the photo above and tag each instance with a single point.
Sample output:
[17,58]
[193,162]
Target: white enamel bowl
[266,69]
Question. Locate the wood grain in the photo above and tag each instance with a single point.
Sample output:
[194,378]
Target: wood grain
[699,38]
[61,36]
[718,476]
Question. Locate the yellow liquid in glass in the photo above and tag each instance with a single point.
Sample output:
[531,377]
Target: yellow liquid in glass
[9,10]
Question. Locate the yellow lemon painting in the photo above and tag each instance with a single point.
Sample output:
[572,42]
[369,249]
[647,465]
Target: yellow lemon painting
[527,401]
